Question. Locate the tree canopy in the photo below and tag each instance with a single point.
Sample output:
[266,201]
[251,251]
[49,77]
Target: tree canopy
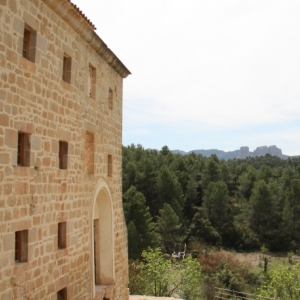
[240,204]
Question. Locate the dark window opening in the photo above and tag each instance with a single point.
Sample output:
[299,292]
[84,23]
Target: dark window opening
[23,158]
[62,294]
[29,43]
[63,155]
[109,165]
[67,64]
[21,246]
[92,82]
[62,235]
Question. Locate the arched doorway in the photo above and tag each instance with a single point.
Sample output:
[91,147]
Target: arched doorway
[102,236]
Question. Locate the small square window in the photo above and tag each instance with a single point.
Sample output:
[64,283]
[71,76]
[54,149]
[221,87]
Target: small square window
[63,155]
[62,235]
[21,246]
[109,165]
[23,158]
[110,99]
[29,43]
[62,294]
[89,153]
[67,65]
[92,82]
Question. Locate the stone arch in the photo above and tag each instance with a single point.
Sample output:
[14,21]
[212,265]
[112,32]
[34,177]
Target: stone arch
[102,236]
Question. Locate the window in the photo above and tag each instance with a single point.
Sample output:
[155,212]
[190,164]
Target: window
[109,165]
[62,294]
[23,158]
[29,43]
[67,64]
[62,235]
[63,155]
[21,246]
[92,82]
[110,99]
[89,153]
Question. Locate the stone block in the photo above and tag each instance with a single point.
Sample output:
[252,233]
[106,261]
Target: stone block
[28,67]
[11,138]
[18,26]
[30,21]
[9,241]
[12,56]
[21,188]
[41,43]
[12,4]
[4,158]
[21,225]
[36,143]
[4,120]
[2,95]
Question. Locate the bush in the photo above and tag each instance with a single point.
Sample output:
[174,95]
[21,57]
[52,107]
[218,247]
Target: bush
[160,277]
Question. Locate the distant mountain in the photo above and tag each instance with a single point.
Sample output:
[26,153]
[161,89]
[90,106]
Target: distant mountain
[242,153]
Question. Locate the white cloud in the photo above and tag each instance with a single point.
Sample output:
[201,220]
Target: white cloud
[208,64]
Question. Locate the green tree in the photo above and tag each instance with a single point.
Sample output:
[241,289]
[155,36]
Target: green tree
[146,180]
[215,202]
[166,277]
[262,207]
[294,201]
[265,173]
[192,197]
[141,228]
[283,283]
[169,227]
[212,172]
[169,191]
[246,182]
[202,230]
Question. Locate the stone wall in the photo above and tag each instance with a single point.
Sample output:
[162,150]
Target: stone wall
[37,195]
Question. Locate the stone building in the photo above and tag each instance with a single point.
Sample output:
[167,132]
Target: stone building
[62,229]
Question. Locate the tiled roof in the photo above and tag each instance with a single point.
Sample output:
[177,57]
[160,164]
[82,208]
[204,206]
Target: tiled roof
[83,15]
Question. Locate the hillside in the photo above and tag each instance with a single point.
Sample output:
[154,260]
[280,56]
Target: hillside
[241,153]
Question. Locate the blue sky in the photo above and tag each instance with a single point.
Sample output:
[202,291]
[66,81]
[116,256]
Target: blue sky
[215,74]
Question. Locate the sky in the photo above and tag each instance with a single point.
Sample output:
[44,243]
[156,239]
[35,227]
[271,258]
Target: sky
[213,74]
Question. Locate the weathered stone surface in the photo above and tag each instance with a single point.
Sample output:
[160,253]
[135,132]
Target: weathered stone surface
[244,152]
[36,101]
[273,150]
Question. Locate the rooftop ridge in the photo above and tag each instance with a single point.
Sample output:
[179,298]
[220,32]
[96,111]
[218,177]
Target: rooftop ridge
[69,12]
[83,15]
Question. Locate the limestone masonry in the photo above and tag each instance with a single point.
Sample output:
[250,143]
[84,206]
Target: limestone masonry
[62,229]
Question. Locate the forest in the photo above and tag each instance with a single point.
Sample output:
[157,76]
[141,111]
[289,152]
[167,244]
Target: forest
[170,200]
[218,209]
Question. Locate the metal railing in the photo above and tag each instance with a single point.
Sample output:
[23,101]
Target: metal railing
[225,294]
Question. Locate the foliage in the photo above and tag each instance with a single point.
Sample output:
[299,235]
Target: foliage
[202,230]
[237,204]
[141,233]
[264,257]
[168,226]
[221,269]
[158,276]
[283,283]
[215,203]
